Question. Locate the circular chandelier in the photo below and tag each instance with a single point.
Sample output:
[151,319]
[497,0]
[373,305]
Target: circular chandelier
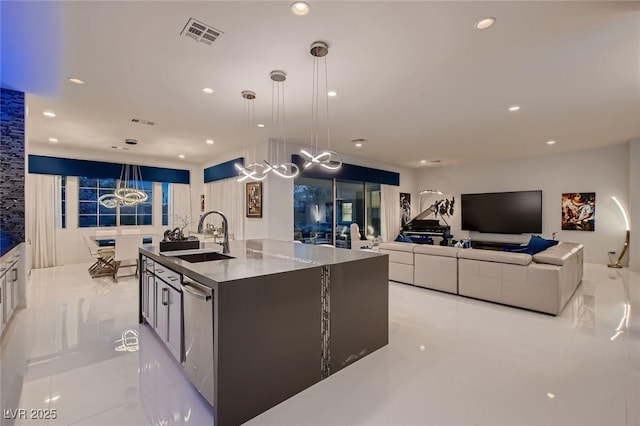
[128,192]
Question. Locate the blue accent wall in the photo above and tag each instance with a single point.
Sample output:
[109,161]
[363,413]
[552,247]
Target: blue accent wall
[349,172]
[223,170]
[99,169]
[12,217]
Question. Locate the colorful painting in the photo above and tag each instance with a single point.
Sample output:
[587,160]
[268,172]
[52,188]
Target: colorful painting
[254,199]
[579,211]
[405,207]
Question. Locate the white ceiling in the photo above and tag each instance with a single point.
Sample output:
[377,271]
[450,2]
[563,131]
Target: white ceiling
[414,78]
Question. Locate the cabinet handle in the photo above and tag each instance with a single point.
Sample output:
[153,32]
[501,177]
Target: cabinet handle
[15,275]
[165,301]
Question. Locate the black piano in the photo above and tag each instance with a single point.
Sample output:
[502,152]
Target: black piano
[419,226]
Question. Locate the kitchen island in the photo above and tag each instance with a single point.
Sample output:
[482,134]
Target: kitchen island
[282,317]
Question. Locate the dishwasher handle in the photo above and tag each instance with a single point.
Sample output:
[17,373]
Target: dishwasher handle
[194,289]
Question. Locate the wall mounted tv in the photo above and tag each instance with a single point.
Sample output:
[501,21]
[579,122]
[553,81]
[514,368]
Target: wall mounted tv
[502,212]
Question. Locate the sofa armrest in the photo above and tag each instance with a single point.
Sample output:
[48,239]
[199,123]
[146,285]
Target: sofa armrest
[436,250]
[398,246]
[558,254]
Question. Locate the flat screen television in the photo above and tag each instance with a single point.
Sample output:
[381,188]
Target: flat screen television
[502,212]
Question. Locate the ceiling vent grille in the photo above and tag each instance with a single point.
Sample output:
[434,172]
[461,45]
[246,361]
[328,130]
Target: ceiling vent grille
[200,32]
[139,121]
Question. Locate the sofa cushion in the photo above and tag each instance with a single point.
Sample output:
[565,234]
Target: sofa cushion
[437,250]
[398,246]
[495,256]
[557,255]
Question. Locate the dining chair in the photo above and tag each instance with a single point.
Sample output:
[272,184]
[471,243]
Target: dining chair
[104,263]
[356,242]
[126,250]
[130,231]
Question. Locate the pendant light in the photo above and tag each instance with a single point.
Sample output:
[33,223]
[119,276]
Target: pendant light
[128,192]
[326,159]
[253,171]
[273,165]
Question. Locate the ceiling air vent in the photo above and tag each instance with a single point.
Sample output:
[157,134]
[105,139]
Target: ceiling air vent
[200,32]
[139,121]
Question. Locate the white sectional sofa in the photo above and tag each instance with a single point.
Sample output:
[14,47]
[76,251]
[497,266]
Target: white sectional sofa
[543,282]
[436,267]
[400,261]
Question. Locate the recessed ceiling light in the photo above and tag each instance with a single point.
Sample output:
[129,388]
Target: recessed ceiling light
[210,141]
[208,90]
[181,156]
[332,93]
[514,108]
[75,80]
[260,125]
[423,161]
[49,114]
[485,23]
[53,140]
[359,145]
[300,8]
[551,142]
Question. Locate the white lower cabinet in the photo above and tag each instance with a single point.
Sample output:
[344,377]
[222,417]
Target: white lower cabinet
[149,298]
[162,304]
[169,317]
[12,284]
[2,298]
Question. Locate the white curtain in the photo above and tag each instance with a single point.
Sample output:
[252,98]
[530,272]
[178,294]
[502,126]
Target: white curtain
[180,207]
[390,199]
[42,206]
[227,196]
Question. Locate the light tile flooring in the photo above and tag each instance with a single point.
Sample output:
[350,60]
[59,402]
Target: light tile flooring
[450,361]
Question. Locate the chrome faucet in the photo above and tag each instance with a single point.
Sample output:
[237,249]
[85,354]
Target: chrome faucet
[225,226]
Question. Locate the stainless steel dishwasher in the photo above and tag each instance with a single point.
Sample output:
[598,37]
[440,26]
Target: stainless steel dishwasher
[198,336]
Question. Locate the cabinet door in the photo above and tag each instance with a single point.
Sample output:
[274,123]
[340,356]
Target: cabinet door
[150,295]
[2,297]
[14,287]
[8,295]
[162,310]
[174,336]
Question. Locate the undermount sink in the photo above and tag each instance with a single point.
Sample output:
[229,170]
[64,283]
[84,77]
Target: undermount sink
[203,257]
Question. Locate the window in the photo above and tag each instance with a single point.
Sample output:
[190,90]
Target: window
[165,204]
[141,213]
[92,214]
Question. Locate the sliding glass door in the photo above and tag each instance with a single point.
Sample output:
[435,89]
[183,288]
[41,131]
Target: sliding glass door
[321,219]
[313,211]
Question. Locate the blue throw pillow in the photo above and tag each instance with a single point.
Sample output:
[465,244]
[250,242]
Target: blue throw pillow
[403,239]
[538,244]
[518,249]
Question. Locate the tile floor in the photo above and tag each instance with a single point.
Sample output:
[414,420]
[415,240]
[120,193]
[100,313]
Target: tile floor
[450,361]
